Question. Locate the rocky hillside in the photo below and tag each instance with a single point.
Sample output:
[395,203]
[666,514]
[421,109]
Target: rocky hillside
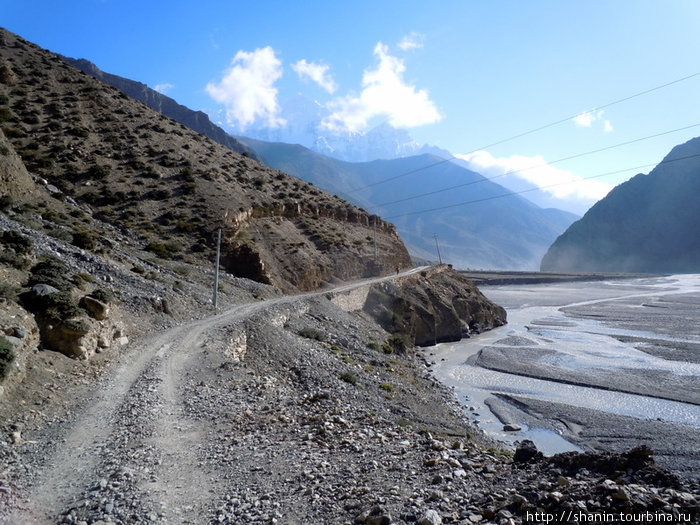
[195,120]
[100,154]
[647,224]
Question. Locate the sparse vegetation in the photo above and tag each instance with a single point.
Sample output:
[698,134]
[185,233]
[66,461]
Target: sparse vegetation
[7,355]
[348,377]
[311,333]
[53,272]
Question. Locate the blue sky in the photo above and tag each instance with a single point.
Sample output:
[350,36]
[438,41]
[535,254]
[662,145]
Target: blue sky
[456,74]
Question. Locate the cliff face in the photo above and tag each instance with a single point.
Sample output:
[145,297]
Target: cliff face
[434,306]
[103,155]
[647,224]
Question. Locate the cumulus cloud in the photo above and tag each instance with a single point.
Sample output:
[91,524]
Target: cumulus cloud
[247,88]
[607,126]
[163,88]
[384,94]
[411,41]
[560,184]
[317,73]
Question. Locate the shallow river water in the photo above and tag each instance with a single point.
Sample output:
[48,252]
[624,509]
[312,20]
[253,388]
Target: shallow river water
[627,347]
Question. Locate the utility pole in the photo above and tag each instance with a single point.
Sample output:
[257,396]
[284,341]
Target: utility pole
[375,241]
[216,269]
[438,248]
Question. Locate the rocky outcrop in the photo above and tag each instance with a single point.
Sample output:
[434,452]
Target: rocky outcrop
[433,306]
[68,330]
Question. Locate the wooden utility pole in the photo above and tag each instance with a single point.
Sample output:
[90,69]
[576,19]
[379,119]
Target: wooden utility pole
[216,269]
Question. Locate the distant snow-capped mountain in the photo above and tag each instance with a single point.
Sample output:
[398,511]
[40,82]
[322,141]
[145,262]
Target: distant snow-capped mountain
[303,125]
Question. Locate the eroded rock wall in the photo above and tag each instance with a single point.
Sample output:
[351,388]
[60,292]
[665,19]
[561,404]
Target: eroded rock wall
[433,306]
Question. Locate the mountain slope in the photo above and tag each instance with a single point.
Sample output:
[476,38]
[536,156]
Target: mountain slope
[647,224]
[109,157]
[491,232]
[195,120]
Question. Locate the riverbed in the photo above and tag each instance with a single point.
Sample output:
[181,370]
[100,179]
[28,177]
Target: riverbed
[601,365]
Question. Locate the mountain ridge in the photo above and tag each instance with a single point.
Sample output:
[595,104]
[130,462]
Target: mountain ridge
[196,120]
[502,232]
[647,224]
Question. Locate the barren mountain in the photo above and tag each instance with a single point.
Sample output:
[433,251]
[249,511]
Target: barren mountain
[171,188]
[646,224]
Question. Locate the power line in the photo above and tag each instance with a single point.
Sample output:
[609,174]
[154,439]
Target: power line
[570,157]
[540,187]
[529,132]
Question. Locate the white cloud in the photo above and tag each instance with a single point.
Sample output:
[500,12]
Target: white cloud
[247,89]
[316,72]
[384,94]
[163,88]
[560,184]
[588,118]
[411,41]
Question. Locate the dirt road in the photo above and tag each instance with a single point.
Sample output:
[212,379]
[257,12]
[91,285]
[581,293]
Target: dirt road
[133,447]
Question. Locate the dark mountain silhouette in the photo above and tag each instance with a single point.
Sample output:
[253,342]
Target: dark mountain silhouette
[196,120]
[647,224]
[493,232]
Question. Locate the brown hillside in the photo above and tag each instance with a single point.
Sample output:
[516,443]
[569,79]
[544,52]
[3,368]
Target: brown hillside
[169,188]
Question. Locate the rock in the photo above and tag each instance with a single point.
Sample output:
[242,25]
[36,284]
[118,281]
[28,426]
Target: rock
[512,427]
[14,341]
[41,290]
[97,309]
[19,332]
[526,451]
[445,307]
[430,517]
[431,462]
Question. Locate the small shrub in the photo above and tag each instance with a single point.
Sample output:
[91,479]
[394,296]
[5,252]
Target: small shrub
[57,307]
[7,355]
[98,171]
[84,239]
[8,292]
[182,270]
[158,249]
[399,343]
[21,244]
[349,377]
[5,202]
[311,333]
[373,345]
[11,258]
[53,272]
[387,387]
[106,296]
